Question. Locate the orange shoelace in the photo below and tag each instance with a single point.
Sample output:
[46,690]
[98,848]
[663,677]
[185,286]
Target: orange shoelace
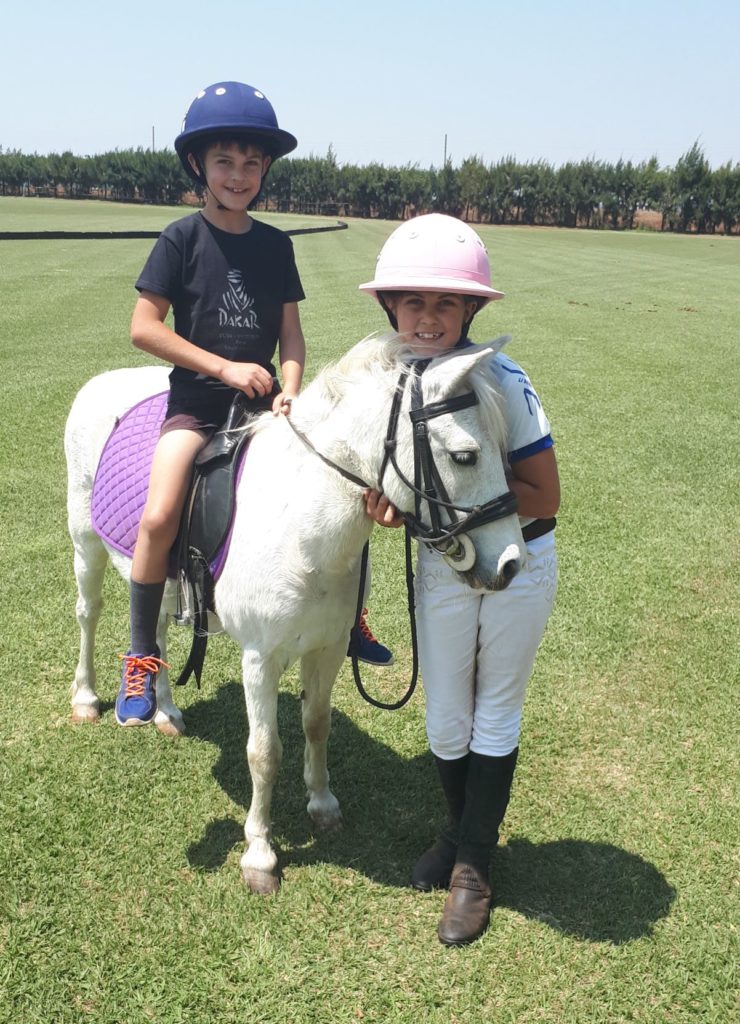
[137,669]
[365,629]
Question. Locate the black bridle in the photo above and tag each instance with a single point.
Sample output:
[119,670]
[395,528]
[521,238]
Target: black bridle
[427,487]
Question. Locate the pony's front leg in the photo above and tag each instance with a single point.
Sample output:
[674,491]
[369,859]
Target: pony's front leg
[90,561]
[168,718]
[319,669]
[259,863]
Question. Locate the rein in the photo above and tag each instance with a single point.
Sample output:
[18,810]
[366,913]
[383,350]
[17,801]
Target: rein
[325,458]
[395,705]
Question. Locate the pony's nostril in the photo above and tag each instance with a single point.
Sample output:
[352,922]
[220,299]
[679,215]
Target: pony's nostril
[508,566]
[510,569]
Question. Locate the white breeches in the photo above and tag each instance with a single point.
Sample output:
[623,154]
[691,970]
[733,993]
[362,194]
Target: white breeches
[477,650]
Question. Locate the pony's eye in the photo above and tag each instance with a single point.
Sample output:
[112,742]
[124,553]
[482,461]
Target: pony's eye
[464,458]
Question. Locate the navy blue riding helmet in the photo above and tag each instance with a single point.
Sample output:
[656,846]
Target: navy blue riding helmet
[231,110]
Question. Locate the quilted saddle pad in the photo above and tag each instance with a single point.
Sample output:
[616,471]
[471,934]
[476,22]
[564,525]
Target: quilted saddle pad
[122,481]
[122,477]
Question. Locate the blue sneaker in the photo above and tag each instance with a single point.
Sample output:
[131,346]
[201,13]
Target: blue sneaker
[367,648]
[136,703]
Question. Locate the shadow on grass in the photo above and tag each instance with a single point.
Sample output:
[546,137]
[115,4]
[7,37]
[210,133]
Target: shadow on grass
[593,891]
[391,807]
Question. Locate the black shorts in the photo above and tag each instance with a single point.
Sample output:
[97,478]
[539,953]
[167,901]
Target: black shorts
[205,410]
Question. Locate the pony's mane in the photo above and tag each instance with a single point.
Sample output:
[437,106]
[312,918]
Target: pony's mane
[376,357]
[379,357]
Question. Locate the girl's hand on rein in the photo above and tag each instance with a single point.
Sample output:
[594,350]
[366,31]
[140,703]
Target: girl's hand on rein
[282,404]
[380,509]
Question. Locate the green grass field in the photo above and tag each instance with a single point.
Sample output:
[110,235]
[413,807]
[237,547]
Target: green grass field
[33,214]
[616,882]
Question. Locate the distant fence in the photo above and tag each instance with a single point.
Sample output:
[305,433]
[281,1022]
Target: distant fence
[13,236]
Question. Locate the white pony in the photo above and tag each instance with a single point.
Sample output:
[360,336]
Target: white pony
[289,586]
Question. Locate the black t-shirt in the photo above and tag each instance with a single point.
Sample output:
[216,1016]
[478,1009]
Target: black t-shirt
[227,292]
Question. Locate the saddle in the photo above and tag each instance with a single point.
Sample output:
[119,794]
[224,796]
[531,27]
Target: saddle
[205,529]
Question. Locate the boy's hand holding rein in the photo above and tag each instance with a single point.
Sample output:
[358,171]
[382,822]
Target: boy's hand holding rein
[252,379]
[282,404]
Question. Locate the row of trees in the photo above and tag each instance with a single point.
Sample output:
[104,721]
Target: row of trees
[127,175]
[591,193]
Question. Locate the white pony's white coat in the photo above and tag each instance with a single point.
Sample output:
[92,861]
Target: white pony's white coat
[289,586]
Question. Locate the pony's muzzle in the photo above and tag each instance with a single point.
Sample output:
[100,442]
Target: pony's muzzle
[508,566]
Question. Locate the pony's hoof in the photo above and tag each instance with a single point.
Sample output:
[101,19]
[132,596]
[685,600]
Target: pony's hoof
[169,726]
[82,713]
[327,822]
[261,883]
[325,812]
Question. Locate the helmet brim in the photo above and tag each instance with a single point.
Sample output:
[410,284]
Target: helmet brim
[433,284]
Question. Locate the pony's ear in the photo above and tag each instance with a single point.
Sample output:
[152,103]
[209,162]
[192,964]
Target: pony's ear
[496,344]
[451,370]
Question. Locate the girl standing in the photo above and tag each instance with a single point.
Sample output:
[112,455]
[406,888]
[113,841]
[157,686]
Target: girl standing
[476,648]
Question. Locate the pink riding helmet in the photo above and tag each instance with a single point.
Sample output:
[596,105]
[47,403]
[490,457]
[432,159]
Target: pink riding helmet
[434,253]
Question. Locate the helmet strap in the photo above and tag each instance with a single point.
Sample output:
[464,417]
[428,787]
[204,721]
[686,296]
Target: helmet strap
[466,324]
[201,172]
[388,312]
[262,185]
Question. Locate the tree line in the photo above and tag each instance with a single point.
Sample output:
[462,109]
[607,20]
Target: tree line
[589,193]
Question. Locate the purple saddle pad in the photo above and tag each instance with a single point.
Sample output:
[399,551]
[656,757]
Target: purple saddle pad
[122,479]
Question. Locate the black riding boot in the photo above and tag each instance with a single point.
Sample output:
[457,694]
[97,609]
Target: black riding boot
[433,869]
[468,904]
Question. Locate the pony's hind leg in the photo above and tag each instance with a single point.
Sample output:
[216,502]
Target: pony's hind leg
[318,671]
[259,864]
[90,561]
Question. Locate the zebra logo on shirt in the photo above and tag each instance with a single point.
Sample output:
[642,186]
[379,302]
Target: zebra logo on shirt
[237,305]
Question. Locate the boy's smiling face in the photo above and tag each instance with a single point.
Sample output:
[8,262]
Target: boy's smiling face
[234,173]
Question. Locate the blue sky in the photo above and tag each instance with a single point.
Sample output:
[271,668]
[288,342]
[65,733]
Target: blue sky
[383,80]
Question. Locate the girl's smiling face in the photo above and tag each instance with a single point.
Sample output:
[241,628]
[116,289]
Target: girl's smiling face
[432,321]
